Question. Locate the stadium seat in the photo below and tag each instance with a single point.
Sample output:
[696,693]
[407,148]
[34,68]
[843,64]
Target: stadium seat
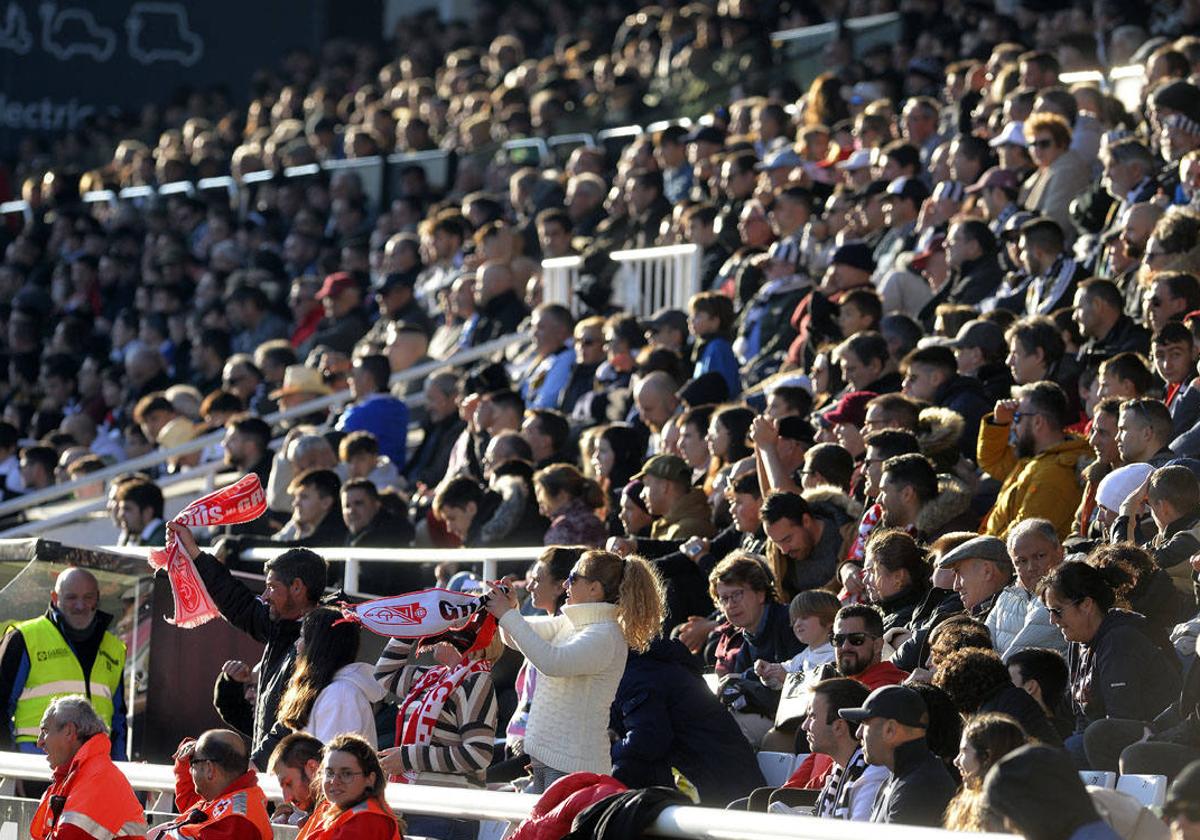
[1099,778]
[776,767]
[1149,790]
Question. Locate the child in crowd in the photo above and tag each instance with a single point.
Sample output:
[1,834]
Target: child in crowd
[812,613]
[360,458]
[710,320]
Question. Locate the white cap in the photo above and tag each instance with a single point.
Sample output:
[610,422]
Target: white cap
[861,159]
[1013,134]
[797,381]
[1115,487]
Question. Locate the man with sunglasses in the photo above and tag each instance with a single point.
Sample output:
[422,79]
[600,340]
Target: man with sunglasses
[1038,469]
[217,791]
[857,641]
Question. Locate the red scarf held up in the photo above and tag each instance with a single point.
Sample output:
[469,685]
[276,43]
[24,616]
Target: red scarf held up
[240,502]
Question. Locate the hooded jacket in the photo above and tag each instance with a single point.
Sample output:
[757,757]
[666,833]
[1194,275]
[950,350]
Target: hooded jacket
[1121,672]
[690,516]
[949,510]
[1046,485]
[345,704]
[665,716]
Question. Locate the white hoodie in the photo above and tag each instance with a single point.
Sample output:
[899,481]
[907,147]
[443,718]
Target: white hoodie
[345,704]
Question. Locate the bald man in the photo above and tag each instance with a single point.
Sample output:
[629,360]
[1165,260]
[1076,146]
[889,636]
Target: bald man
[68,650]
[654,395]
[497,302]
[217,791]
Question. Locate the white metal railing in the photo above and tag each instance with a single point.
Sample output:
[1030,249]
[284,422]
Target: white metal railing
[161,456]
[488,558]
[682,821]
[560,276]
[649,279]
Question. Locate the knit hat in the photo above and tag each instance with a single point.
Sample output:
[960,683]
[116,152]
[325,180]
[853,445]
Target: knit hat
[854,254]
[1184,99]
[851,408]
[1115,487]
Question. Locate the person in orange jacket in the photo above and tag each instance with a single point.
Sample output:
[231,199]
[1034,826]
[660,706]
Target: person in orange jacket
[351,805]
[216,791]
[88,797]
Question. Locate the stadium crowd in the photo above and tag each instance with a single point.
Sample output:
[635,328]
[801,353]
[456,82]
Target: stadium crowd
[915,473]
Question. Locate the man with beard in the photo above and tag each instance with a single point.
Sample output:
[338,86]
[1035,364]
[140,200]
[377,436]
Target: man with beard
[858,644]
[849,790]
[1038,473]
[295,764]
[295,581]
[804,540]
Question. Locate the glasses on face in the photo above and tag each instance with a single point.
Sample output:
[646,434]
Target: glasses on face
[734,597]
[1018,416]
[1057,612]
[575,577]
[344,776]
[1044,143]
[855,639]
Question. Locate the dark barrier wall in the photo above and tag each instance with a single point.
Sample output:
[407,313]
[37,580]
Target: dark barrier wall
[63,60]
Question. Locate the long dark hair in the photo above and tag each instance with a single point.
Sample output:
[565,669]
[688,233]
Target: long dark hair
[328,647]
[736,419]
[629,448]
[559,560]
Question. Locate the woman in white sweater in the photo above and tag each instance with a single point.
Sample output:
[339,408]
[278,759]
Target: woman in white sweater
[330,693]
[613,604]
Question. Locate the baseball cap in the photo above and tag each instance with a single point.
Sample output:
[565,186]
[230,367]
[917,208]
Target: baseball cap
[396,280]
[851,408]
[1012,227]
[676,319]
[994,178]
[860,159]
[911,188]
[894,702]
[707,134]
[988,336]
[781,159]
[1013,134]
[935,245]
[335,284]
[978,548]
[1184,792]
[854,254]
[667,467]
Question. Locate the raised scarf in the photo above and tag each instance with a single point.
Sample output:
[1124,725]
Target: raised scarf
[240,502]
[429,694]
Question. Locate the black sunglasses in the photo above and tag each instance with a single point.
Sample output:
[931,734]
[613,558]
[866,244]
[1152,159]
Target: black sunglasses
[855,639]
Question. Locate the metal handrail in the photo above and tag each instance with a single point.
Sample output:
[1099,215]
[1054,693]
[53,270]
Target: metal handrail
[682,821]
[160,456]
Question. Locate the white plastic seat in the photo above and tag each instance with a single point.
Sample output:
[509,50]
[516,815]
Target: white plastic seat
[1149,790]
[1099,778]
[776,767]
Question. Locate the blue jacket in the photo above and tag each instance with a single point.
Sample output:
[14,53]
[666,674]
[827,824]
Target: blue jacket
[384,416]
[716,354]
[666,716]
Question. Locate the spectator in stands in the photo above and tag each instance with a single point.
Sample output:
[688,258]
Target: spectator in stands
[1170,295]
[1061,174]
[570,501]
[978,682]
[140,509]
[352,799]
[680,510]
[345,322]
[549,370]
[896,575]
[1175,355]
[87,793]
[371,524]
[1144,432]
[1172,495]
[1099,312]
[316,513]
[296,764]
[850,789]
[1126,376]
[477,517]
[858,644]
[710,321]
[910,497]
[498,305]
[892,723]
[618,456]
[986,739]
[1018,619]
[613,605]
[358,456]
[589,354]
[1130,676]
[931,375]
[375,410]
[805,539]
[247,445]
[215,784]
[812,613]
[440,430]
[1038,474]
[982,569]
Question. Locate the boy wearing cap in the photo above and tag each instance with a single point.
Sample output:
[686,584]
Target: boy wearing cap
[979,350]
[891,725]
[901,205]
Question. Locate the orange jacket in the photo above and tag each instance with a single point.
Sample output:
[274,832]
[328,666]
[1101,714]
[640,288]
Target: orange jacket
[96,799]
[367,820]
[239,813]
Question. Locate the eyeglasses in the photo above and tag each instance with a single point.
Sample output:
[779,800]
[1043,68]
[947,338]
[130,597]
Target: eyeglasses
[855,639]
[198,760]
[1018,416]
[1044,143]
[1057,612]
[343,776]
[575,577]
[734,597]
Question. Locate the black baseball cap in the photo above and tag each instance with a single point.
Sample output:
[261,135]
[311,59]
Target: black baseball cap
[894,702]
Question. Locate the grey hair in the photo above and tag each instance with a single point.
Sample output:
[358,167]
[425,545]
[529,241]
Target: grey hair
[75,708]
[1043,528]
[308,445]
[446,382]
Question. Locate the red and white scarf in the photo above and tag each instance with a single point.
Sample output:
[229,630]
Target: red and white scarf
[427,612]
[429,694]
[240,502]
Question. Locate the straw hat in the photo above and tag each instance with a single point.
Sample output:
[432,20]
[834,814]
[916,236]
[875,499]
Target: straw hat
[176,433]
[301,379]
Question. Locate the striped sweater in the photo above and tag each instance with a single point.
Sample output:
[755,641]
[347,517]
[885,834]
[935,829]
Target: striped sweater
[461,748]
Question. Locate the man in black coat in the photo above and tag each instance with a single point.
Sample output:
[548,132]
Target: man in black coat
[500,308]
[295,583]
[371,524]
[892,725]
[665,716]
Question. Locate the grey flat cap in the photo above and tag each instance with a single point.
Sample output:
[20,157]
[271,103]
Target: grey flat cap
[981,548]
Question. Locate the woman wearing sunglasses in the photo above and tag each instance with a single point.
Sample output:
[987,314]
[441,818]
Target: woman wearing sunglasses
[351,802]
[1118,671]
[613,604]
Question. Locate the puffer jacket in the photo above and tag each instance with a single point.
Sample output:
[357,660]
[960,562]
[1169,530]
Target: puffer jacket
[552,815]
[1046,485]
[1121,672]
[1020,620]
[691,516]
[949,510]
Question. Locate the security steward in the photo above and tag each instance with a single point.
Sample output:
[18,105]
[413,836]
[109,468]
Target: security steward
[88,797]
[69,650]
[216,791]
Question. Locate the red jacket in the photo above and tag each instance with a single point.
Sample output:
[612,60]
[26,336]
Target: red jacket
[553,814]
[228,817]
[97,801]
[880,674]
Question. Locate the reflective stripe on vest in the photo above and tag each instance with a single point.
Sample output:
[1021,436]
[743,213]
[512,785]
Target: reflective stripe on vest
[54,671]
[85,823]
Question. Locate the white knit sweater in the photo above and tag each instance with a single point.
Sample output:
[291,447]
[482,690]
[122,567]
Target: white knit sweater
[580,657]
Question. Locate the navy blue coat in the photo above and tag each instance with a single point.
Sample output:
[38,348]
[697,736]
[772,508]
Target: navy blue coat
[666,716]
